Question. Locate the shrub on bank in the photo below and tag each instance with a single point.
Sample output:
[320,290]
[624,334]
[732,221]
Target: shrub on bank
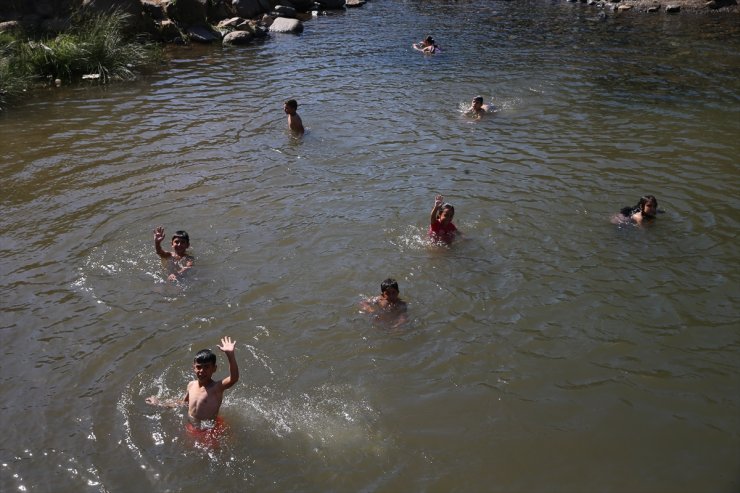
[95,47]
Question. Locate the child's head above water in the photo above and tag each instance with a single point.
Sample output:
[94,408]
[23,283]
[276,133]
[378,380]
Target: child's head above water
[648,205]
[205,356]
[182,235]
[389,290]
[446,213]
[388,284]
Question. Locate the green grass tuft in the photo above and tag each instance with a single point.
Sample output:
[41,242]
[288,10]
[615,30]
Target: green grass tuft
[95,46]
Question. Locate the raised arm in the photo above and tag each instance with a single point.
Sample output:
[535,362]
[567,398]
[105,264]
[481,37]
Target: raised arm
[438,200]
[227,346]
[158,237]
[170,403]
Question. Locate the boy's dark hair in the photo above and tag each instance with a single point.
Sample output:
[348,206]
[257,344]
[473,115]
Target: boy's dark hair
[205,356]
[388,283]
[182,235]
[292,103]
[478,99]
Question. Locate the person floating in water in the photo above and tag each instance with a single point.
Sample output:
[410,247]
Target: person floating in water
[477,108]
[295,124]
[178,260]
[388,307]
[427,45]
[441,228]
[641,214]
[204,395]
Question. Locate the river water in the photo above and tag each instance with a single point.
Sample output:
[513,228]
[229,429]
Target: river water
[547,350]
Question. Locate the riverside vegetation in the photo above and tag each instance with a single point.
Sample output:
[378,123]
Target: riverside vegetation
[95,47]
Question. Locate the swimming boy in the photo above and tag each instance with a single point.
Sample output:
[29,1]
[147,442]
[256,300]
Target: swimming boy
[477,108]
[295,124]
[204,395]
[178,261]
[388,307]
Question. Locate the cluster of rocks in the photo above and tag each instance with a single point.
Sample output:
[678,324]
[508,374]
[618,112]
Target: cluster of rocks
[180,21]
[673,7]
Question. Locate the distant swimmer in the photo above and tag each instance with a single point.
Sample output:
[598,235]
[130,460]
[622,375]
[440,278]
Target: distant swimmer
[178,261]
[441,229]
[388,307]
[295,124]
[477,108]
[204,395]
[427,45]
[641,214]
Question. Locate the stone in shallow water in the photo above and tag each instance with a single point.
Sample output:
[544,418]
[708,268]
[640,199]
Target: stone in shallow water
[285,25]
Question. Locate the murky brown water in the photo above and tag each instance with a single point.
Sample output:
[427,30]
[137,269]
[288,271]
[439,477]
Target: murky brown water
[548,351]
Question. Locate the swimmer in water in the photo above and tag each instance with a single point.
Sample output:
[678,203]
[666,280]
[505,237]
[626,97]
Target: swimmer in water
[178,260]
[427,45]
[641,214]
[388,307]
[441,229]
[477,108]
[295,124]
[204,395]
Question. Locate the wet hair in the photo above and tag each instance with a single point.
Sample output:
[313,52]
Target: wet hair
[429,40]
[478,99]
[292,103]
[640,206]
[182,235]
[387,284]
[205,356]
[448,207]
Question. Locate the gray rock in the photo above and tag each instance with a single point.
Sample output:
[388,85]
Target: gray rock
[232,23]
[672,9]
[238,38]
[168,31]
[654,8]
[284,11]
[202,34]
[285,25]
[360,3]
[10,26]
[247,8]
[331,4]
[187,12]
[153,9]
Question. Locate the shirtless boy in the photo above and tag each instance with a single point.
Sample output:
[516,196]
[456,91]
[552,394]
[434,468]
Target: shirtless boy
[295,124]
[387,307]
[477,108]
[178,261]
[204,395]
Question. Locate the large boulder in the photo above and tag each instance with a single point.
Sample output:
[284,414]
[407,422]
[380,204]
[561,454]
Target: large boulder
[331,4]
[248,8]
[203,34]
[285,25]
[187,12]
[238,38]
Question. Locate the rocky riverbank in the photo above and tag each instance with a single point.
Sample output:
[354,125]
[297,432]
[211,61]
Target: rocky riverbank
[668,6]
[240,21]
[178,21]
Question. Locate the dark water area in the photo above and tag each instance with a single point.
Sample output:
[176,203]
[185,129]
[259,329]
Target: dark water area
[547,350]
